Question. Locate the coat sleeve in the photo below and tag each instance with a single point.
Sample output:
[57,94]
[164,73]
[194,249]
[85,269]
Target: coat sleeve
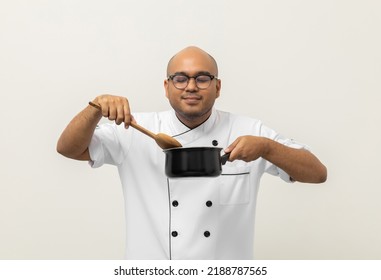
[271,168]
[105,146]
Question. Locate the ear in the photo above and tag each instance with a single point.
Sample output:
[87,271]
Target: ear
[166,85]
[218,88]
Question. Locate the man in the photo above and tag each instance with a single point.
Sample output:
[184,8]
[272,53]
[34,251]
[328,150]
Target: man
[193,217]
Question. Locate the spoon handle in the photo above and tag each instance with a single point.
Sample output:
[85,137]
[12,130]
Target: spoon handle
[134,125]
[143,130]
[95,105]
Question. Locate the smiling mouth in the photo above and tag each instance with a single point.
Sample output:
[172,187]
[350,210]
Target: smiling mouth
[191,99]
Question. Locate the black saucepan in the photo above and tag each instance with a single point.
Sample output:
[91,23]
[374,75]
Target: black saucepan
[194,162]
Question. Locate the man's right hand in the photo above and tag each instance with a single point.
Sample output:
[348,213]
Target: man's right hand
[76,137]
[115,108]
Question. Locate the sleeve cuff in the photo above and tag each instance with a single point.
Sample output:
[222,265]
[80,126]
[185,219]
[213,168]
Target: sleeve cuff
[292,144]
[96,152]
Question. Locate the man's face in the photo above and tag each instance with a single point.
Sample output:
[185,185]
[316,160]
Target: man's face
[192,104]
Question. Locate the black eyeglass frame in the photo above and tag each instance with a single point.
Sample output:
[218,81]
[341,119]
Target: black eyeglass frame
[212,77]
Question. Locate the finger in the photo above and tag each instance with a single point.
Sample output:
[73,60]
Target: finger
[235,149]
[231,151]
[232,156]
[119,115]
[112,113]
[101,105]
[231,146]
[127,115]
[105,111]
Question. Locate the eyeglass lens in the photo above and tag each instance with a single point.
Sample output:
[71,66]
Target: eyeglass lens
[181,81]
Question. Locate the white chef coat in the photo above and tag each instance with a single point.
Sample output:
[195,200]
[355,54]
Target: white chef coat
[192,217]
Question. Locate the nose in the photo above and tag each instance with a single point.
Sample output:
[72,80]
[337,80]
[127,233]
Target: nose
[192,86]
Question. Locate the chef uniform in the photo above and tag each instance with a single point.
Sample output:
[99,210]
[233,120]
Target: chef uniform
[191,217]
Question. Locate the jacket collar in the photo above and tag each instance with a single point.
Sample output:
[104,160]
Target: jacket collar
[188,135]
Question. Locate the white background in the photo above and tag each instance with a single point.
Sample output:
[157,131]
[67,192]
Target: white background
[309,69]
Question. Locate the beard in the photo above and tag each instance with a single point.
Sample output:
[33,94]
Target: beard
[195,117]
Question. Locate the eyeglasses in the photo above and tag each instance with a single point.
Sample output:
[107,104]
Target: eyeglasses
[181,81]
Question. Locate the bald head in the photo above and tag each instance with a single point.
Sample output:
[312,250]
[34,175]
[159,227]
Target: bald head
[193,104]
[190,53]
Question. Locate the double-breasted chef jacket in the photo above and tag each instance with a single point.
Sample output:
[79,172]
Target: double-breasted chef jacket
[190,217]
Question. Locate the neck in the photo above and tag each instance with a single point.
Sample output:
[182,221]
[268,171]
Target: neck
[193,122]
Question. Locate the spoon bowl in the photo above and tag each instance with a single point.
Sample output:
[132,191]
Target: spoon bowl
[163,140]
[166,142]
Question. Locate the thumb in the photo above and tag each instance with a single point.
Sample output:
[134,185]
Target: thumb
[231,146]
[131,120]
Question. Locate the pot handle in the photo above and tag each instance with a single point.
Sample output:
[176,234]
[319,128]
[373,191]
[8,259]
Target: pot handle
[225,158]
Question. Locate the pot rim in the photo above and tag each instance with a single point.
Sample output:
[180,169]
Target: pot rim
[192,149]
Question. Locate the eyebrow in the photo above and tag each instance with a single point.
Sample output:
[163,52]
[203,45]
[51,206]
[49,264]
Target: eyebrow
[197,74]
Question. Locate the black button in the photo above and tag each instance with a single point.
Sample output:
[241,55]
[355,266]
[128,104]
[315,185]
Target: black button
[209,203]
[175,203]
[174,233]
[206,233]
[214,142]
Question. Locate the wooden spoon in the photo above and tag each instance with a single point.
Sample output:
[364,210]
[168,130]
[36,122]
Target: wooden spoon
[163,140]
